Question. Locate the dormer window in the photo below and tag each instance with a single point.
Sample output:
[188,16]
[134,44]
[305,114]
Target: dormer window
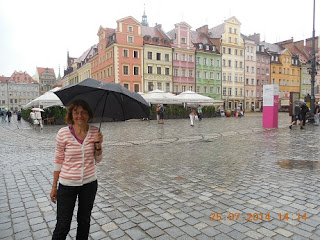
[155,39]
[147,37]
[207,47]
[183,40]
[213,48]
[200,46]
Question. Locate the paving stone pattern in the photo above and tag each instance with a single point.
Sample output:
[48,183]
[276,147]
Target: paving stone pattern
[173,181]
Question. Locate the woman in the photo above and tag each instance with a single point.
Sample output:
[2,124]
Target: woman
[192,115]
[78,148]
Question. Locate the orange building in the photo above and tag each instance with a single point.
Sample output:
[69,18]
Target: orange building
[120,54]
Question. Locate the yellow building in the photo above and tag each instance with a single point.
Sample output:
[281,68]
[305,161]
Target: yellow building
[284,71]
[232,49]
[157,60]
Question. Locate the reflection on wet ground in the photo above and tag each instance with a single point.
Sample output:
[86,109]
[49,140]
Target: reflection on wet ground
[299,164]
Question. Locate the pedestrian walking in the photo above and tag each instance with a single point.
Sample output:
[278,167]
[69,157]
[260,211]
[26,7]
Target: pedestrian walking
[32,117]
[199,112]
[78,148]
[192,115]
[161,114]
[9,115]
[304,111]
[2,115]
[316,114]
[157,112]
[297,116]
[19,115]
[39,118]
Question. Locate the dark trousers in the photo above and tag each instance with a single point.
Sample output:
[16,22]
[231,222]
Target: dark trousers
[66,199]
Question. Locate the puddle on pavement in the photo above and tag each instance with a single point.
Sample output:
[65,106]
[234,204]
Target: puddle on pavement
[299,164]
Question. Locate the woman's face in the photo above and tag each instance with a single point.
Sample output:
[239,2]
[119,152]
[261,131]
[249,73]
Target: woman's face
[80,116]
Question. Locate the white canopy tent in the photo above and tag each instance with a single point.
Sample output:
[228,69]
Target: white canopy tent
[158,96]
[189,98]
[46,100]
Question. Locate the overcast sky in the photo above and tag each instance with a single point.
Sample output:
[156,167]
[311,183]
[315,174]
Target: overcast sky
[38,33]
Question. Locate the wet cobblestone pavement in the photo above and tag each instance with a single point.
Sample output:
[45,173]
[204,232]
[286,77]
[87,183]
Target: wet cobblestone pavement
[173,181]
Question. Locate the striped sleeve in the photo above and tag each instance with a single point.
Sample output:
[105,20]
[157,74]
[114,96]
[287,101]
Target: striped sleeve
[60,147]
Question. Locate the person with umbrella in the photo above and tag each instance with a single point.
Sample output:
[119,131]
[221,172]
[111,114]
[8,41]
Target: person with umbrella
[78,148]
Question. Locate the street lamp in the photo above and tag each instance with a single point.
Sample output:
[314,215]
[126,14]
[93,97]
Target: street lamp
[313,71]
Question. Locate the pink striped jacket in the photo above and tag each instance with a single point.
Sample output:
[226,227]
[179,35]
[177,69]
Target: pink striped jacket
[76,161]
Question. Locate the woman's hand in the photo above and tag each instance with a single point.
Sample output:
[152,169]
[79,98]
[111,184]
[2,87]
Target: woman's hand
[53,194]
[98,140]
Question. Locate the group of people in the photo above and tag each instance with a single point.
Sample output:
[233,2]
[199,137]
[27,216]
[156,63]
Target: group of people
[300,113]
[5,115]
[195,114]
[36,119]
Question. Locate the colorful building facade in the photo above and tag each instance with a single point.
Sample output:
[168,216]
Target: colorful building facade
[183,58]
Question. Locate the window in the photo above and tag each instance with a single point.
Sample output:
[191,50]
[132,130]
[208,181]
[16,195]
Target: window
[247,69]
[183,40]
[218,90]
[252,93]
[159,56]
[167,71]
[252,81]
[136,87]
[205,89]
[236,91]
[183,88]
[198,75]
[211,89]
[224,50]
[205,61]
[176,57]
[198,89]
[218,63]
[198,60]
[229,39]
[176,88]
[135,54]
[224,91]
[125,70]
[205,75]
[224,76]
[150,69]
[229,76]
[130,39]
[223,62]
[218,76]
[183,72]
[235,31]
[183,57]
[235,40]
[240,64]
[126,85]
[190,73]
[236,64]
[159,86]
[211,62]
[190,58]
[175,72]
[229,50]
[236,52]
[149,55]
[159,70]
[252,69]
[230,30]
[229,91]
[241,52]
[229,63]
[166,57]
[247,93]
[211,75]
[236,78]
[167,87]
[130,29]
[241,91]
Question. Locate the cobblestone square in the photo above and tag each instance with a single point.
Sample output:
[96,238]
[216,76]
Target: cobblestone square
[225,178]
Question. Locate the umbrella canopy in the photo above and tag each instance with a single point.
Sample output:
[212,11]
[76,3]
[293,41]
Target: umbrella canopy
[158,96]
[107,100]
[46,100]
[37,109]
[190,97]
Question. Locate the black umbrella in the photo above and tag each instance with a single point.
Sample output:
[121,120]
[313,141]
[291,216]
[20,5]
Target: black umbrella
[107,100]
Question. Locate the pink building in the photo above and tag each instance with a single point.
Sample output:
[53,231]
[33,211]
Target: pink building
[183,58]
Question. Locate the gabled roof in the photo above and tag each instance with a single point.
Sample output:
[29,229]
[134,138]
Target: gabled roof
[23,77]
[41,70]
[4,79]
[217,31]
[129,17]
[183,23]
[171,34]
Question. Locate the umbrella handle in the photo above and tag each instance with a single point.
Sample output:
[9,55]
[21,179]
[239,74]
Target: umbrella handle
[104,105]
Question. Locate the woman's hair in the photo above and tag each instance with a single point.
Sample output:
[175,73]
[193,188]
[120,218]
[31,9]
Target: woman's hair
[74,105]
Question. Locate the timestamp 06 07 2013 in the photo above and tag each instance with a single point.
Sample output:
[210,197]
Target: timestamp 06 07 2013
[257,216]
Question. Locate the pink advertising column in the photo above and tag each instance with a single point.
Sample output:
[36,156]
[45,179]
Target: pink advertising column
[270,105]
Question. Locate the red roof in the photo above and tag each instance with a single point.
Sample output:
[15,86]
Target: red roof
[21,77]
[41,70]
